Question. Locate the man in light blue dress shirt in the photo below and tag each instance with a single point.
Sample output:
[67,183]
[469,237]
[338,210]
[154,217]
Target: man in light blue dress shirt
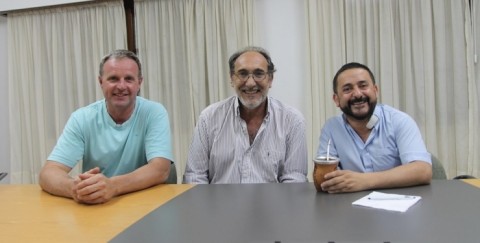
[250,137]
[378,146]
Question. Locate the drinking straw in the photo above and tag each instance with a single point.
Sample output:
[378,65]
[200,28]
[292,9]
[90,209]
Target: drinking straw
[328,150]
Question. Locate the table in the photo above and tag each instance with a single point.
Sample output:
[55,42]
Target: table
[29,214]
[449,211]
[474,182]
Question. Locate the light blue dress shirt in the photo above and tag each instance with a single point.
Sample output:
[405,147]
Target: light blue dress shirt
[395,140]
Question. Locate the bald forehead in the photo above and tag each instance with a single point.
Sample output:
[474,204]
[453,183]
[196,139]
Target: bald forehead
[251,60]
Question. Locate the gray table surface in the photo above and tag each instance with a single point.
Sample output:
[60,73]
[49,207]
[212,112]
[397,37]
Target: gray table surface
[449,211]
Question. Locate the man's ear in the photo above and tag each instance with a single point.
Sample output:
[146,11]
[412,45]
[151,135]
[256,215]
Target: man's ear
[336,100]
[271,80]
[100,80]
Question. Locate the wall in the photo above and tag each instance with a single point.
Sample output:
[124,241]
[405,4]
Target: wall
[4,128]
[8,5]
[281,29]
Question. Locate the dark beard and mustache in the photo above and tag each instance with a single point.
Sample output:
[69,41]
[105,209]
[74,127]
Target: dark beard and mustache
[347,110]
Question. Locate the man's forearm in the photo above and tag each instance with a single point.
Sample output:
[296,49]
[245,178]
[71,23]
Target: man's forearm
[151,174]
[56,183]
[414,173]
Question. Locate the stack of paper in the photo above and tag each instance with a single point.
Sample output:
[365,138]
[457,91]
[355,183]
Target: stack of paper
[393,202]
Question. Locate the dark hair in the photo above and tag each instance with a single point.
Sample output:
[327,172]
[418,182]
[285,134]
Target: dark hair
[119,54]
[233,58]
[348,66]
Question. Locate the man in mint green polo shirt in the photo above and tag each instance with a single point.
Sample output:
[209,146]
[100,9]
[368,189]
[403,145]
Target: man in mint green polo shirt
[123,140]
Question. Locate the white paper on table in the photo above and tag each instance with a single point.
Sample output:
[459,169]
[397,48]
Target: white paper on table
[386,201]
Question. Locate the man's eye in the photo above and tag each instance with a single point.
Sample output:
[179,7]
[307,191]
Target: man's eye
[243,74]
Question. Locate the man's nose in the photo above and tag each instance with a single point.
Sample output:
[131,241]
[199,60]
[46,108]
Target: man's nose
[122,83]
[357,92]
[250,81]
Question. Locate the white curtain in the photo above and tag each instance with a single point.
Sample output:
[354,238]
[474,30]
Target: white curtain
[325,53]
[185,46]
[473,89]
[419,53]
[53,67]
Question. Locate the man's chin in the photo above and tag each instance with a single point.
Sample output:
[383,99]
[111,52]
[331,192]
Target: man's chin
[120,104]
[360,117]
[359,113]
[250,104]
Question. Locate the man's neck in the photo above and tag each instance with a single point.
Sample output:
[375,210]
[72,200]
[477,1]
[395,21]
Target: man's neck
[253,114]
[119,116]
[253,118]
[360,127]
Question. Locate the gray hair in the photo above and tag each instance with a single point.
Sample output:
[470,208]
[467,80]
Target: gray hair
[233,58]
[119,54]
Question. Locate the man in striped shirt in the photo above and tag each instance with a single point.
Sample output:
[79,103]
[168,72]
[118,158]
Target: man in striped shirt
[250,137]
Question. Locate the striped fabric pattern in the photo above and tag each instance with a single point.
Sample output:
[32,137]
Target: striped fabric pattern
[221,152]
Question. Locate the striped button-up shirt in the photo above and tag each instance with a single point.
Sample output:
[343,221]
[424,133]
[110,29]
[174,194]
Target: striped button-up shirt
[221,151]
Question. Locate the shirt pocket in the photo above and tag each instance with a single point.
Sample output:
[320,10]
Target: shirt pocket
[384,158]
[272,159]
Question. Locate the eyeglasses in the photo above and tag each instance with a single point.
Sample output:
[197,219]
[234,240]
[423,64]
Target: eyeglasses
[257,75]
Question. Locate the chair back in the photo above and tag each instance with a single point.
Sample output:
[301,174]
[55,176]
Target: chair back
[172,177]
[2,175]
[462,177]
[438,172]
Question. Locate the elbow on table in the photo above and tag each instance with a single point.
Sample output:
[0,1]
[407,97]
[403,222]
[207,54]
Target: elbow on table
[426,175]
